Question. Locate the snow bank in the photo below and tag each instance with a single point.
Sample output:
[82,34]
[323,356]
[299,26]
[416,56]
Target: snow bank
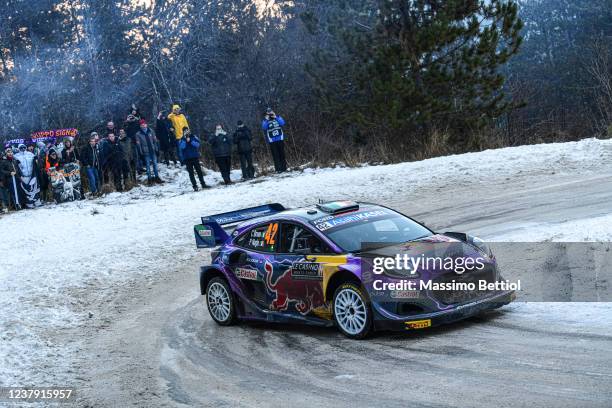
[581,230]
[55,257]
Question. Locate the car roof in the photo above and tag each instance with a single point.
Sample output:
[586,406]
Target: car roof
[303,214]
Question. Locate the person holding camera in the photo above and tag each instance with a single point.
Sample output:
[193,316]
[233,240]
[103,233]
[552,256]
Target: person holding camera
[190,150]
[272,126]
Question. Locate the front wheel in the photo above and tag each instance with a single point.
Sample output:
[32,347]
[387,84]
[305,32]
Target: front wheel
[220,301]
[352,312]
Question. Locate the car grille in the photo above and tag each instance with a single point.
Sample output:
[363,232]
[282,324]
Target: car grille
[463,296]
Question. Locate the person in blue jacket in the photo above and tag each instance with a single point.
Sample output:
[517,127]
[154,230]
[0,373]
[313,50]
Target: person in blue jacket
[272,126]
[190,151]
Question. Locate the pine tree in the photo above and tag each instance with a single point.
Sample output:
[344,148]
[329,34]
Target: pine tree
[422,64]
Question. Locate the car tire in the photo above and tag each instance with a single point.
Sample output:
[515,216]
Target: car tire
[351,310]
[220,302]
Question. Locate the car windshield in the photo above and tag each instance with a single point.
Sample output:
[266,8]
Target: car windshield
[379,226]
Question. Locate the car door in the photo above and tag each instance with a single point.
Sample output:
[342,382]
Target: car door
[253,257]
[296,278]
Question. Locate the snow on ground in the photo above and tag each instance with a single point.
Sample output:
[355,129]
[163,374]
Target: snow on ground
[57,257]
[582,230]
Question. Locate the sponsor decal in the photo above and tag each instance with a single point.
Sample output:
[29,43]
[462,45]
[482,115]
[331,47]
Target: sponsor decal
[246,273]
[306,271]
[242,216]
[324,224]
[205,232]
[418,324]
[306,295]
[404,294]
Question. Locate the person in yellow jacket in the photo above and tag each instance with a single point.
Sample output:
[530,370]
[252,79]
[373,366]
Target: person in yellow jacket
[179,121]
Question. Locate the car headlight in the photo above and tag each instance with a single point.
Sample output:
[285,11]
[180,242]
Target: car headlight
[480,244]
[402,273]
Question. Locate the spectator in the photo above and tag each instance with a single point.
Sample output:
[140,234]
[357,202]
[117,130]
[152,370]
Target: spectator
[132,126]
[110,128]
[43,180]
[166,139]
[179,122]
[129,166]
[147,145]
[9,173]
[70,153]
[104,150]
[5,182]
[190,149]
[53,160]
[273,128]
[242,140]
[115,159]
[30,192]
[90,156]
[221,145]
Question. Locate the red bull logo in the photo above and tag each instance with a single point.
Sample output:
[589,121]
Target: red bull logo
[307,294]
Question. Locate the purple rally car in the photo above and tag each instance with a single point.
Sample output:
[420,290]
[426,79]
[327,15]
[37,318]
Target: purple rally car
[321,265]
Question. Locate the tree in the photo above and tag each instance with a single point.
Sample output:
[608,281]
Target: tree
[412,66]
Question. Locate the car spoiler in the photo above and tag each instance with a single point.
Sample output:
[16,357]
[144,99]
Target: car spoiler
[211,231]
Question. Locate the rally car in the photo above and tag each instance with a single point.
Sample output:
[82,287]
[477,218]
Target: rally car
[313,265]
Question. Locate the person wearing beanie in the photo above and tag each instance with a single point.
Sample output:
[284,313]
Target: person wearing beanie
[148,146]
[242,139]
[178,122]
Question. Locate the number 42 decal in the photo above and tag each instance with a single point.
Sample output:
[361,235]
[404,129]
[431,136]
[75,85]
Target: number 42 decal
[271,233]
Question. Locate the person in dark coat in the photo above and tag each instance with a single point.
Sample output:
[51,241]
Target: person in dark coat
[272,126]
[242,140]
[110,128]
[104,150]
[90,158]
[69,154]
[167,143]
[128,169]
[132,126]
[114,159]
[190,150]
[9,171]
[221,144]
[43,180]
[147,145]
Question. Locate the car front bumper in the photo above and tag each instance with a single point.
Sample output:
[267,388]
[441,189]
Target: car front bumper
[425,320]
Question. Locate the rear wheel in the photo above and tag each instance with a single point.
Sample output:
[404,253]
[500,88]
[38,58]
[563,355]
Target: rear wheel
[220,301]
[352,312]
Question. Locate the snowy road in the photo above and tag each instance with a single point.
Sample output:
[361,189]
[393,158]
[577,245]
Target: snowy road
[115,310]
[166,349]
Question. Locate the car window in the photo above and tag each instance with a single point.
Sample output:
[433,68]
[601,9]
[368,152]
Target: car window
[296,239]
[262,238]
[380,226]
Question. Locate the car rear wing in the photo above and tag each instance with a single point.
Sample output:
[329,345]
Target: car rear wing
[213,230]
